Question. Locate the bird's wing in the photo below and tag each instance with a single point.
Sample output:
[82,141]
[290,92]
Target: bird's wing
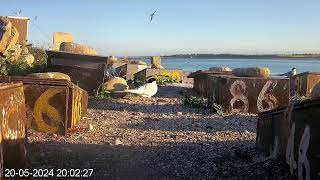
[140,90]
[143,87]
[151,17]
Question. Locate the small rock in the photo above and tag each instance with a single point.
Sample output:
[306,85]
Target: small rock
[179,113]
[173,136]
[90,127]
[118,142]
[81,138]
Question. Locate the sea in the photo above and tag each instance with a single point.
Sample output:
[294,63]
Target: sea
[277,66]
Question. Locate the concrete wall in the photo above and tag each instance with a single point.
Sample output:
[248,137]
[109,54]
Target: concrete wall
[291,135]
[250,94]
[21,24]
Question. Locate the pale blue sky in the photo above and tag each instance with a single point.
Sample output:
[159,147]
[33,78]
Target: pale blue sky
[122,27]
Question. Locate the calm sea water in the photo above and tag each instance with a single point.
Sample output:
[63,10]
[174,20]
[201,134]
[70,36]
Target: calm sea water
[277,66]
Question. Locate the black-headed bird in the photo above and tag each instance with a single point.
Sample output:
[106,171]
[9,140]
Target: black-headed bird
[293,72]
[147,90]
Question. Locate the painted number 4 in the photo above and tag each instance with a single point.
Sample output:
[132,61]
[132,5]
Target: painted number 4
[303,162]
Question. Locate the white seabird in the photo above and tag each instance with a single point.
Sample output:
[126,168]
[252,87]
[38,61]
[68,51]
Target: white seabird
[293,72]
[146,90]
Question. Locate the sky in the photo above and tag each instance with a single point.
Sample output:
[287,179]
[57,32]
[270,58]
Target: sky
[123,27]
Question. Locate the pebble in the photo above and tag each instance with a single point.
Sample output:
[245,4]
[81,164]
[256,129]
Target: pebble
[90,127]
[118,142]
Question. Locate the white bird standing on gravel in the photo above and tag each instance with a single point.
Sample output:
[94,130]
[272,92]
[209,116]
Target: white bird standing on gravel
[146,90]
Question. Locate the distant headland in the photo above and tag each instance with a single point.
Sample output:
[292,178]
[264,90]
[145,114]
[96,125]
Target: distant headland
[241,56]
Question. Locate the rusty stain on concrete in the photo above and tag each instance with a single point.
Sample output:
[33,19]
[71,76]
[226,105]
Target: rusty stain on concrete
[12,126]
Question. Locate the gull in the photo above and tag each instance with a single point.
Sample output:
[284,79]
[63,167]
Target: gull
[147,90]
[151,15]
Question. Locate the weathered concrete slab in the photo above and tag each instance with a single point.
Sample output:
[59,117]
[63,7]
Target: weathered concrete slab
[77,48]
[304,83]
[204,81]
[142,75]
[13,127]
[21,24]
[86,71]
[86,78]
[53,105]
[156,62]
[60,37]
[72,59]
[127,70]
[249,94]
[291,134]
[122,70]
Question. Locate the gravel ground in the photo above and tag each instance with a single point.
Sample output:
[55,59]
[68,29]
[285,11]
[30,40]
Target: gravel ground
[156,138]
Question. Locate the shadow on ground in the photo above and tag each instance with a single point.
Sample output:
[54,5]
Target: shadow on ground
[173,90]
[102,104]
[204,124]
[201,160]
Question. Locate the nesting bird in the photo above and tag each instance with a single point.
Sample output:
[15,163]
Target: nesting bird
[146,90]
[293,72]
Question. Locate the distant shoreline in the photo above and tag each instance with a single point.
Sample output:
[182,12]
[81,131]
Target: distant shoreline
[235,56]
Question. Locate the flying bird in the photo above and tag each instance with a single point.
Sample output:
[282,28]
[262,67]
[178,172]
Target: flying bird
[147,90]
[152,15]
[18,13]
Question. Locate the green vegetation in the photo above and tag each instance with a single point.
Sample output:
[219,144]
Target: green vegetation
[194,102]
[217,109]
[40,58]
[165,79]
[101,93]
[298,97]
[18,67]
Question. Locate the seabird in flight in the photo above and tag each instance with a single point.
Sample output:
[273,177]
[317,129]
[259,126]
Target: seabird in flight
[151,15]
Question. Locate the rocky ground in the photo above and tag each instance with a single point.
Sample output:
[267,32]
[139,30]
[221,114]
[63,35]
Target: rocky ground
[156,138]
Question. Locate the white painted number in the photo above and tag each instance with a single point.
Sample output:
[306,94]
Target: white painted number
[303,162]
[266,97]
[238,89]
[290,150]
